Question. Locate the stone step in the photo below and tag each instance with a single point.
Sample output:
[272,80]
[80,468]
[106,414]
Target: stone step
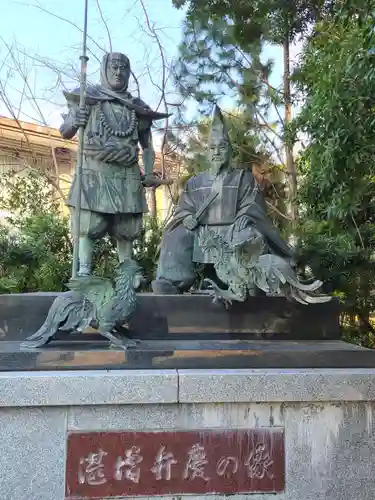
[186,354]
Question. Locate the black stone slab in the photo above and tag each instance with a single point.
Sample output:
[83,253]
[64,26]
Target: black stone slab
[190,317]
[187,354]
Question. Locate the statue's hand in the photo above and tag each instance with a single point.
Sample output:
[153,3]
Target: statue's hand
[190,222]
[81,118]
[149,180]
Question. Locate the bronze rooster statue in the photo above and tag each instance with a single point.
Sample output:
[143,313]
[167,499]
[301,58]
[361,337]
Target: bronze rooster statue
[241,265]
[93,302]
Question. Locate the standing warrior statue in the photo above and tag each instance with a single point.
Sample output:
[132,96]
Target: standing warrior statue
[112,188]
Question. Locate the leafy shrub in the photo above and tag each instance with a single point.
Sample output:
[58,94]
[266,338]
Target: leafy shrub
[35,241]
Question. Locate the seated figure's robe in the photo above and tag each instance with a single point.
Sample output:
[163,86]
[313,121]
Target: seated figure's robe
[239,197]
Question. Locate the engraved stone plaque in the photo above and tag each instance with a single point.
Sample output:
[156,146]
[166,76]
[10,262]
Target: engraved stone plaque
[122,464]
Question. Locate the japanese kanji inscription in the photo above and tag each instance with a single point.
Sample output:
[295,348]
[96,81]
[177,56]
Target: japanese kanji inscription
[120,464]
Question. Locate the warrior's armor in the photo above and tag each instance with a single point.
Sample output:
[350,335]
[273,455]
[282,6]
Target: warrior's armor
[113,198]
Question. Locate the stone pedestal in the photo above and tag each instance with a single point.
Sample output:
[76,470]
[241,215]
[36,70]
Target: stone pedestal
[326,417]
[187,331]
[261,402]
[189,317]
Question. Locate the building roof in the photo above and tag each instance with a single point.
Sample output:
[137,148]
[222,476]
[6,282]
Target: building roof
[25,138]
[17,135]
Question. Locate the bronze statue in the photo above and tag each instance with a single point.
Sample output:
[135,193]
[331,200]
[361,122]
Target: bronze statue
[116,123]
[94,302]
[221,224]
[110,187]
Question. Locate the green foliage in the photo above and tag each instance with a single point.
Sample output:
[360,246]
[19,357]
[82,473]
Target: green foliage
[27,193]
[146,247]
[35,242]
[213,63]
[223,40]
[337,78]
[35,245]
[222,56]
[37,258]
[271,19]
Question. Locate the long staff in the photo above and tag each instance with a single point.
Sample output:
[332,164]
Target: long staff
[80,152]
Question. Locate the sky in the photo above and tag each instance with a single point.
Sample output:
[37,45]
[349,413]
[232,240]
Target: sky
[36,37]
[43,36]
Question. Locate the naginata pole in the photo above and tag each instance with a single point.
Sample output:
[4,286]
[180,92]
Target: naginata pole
[78,175]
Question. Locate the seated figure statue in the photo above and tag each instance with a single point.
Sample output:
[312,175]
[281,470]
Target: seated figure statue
[220,225]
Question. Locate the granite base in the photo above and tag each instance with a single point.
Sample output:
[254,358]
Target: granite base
[327,417]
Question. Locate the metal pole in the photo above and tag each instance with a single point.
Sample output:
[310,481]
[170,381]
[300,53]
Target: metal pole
[78,180]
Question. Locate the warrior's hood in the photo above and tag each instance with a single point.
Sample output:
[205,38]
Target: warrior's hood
[104,72]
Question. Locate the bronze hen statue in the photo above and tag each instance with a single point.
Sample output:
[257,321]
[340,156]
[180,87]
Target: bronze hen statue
[242,266]
[93,302]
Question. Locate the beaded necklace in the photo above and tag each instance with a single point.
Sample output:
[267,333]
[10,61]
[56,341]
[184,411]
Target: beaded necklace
[118,132]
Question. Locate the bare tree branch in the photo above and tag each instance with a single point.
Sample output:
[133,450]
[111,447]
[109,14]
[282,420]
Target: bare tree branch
[277,211]
[25,97]
[21,72]
[155,36]
[46,11]
[105,24]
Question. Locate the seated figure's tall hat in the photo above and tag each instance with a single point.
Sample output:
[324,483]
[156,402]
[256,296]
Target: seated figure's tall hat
[219,127]
[219,131]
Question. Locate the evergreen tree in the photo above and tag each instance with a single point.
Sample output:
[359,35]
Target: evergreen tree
[337,195]
[221,55]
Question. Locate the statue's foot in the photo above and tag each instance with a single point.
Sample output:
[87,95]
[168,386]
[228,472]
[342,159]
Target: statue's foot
[125,344]
[161,286]
[115,342]
[218,299]
[37,340]
[33,344]
[84,271]
[218,295]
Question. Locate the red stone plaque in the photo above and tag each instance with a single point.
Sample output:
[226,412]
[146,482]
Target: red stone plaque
[121,464]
